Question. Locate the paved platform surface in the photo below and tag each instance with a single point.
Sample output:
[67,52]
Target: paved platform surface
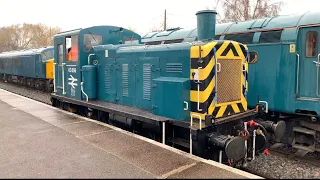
[40,141]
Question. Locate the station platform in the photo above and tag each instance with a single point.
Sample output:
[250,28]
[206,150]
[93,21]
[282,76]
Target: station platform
[40,141]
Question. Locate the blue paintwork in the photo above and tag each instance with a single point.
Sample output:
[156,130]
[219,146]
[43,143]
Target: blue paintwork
[169,94]
[28,63]
[89,76]
[274,76]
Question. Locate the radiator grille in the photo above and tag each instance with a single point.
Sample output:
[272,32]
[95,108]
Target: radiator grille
[107,79]
[125,80]
[229,81]
[147,81]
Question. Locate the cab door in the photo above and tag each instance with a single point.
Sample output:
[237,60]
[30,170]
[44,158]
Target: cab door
[72,72]
[307,86]
[58,66]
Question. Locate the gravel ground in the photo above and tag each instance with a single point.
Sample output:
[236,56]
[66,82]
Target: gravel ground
[283,168]
[269,166]
[27,92]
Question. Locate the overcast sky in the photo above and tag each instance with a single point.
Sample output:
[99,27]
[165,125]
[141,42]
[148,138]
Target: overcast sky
[141,15]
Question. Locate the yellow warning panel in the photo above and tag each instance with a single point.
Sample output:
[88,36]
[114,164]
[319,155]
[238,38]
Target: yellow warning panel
[292,48]
[49,69]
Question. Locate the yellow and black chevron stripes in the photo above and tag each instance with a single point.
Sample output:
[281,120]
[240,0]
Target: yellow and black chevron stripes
[224,109]
[244,79]
[202,76]
[228,109]
[203,89]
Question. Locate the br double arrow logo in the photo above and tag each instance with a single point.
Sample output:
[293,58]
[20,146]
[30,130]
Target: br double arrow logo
[72,81]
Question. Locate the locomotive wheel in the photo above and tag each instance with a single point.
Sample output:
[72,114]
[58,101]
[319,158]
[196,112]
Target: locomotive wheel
[24,81]
[30,83]
[9,79]
[89,113]
[5,78]
[37,84]
[71,108]
[49,86]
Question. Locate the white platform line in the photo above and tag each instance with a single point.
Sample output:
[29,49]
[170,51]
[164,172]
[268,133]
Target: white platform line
[178,170]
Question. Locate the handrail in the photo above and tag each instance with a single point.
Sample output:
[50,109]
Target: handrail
[298,66]
[54,77]
[266,105]
[62,66]
[317,88]
[83,91]
[198,107]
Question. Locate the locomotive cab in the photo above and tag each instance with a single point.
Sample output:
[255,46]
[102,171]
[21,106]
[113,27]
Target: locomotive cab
[73,54]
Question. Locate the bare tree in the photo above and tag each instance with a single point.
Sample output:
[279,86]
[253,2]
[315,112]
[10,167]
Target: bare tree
[156,29]
[241,10]
[131,29]
[17,37]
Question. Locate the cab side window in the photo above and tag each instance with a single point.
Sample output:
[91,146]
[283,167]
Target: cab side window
[312,44]
[46,55]
[91,40]
[72,48]
[60,53]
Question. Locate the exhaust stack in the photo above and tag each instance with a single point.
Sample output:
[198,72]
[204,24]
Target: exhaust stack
[206,25]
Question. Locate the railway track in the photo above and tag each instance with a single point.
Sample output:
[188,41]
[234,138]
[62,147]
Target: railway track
[37,95]
[254,167]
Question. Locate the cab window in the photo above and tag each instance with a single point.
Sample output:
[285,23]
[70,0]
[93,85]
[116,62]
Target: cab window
[46,55]
[131,40]
[60,53]
[72,48]
[311,44]
[91,40]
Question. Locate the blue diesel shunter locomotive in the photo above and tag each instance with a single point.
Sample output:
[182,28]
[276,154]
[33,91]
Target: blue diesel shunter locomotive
[190,95]
[33,67]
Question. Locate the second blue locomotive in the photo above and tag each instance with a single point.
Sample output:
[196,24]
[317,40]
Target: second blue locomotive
[33,68]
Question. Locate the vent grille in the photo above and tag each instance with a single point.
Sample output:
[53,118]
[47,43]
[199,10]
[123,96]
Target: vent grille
[174,68]
[147,81]
[17,62]
[229,80]
[107,79]
[125,80]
